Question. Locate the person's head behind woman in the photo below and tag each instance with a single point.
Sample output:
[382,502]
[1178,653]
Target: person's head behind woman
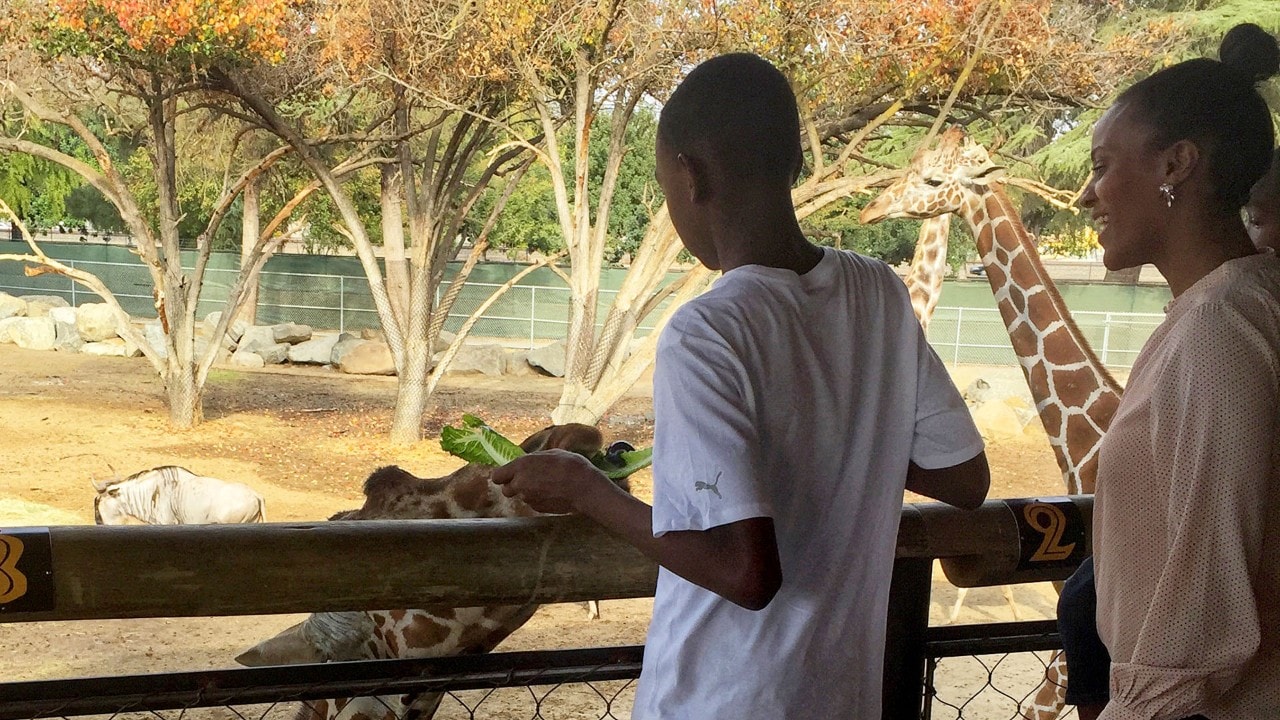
[1263,209]
[1175,156]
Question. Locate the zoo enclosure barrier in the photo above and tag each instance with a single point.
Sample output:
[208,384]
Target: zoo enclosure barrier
[170,571]
[533,315]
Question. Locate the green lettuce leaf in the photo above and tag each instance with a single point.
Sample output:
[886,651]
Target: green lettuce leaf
[623,464]
[476,442]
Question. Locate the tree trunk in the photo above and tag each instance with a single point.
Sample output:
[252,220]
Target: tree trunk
[249,231]
[186,396]
[393,242]
[411,389]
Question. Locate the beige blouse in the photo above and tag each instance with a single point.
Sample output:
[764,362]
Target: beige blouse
[1187,517]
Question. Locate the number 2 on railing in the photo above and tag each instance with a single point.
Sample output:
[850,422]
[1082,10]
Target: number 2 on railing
[13,584]
[1050,522]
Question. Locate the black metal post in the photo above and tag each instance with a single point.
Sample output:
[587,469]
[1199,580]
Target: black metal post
[904,653]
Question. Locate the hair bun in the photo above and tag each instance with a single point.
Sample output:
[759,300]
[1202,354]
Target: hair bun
[1250,52]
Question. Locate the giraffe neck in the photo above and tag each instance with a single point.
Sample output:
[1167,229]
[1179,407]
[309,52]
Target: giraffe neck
[1075,396]
[928,267]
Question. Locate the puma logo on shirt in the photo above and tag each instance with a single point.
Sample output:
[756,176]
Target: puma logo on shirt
[699,485]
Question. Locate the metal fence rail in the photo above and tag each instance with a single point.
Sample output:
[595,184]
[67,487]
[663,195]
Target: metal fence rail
[981,672]
[537,314]
[499,685]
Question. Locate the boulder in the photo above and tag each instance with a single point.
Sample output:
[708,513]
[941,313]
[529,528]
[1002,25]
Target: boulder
[291,333]
[372,334]
[113,347]
[153,333]
[40,305]
[346,341]
[5,325]
[96,322]
[370,357]
[517,364]
[234,331]
[66,337]
[34,333]
[316,351]
[549,358]
[63,314]
[257,337]
[443,341]
[11,306]
[275,354]
[478,360]
[246,359]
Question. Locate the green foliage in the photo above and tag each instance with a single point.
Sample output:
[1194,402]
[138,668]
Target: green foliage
[478,443]
[530,222]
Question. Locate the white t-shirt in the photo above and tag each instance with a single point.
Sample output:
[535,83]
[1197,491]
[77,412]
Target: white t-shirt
[800,398]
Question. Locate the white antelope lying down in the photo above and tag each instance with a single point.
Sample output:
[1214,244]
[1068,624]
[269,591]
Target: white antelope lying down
[172,495]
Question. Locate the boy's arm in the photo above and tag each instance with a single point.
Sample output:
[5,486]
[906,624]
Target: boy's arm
[738,561]
[964,486]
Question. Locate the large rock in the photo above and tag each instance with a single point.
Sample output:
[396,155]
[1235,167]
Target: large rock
[234,330]
[66,337]
[549,358]
[11,306]
[316,351]
[153,333]
[40,305]
[291,333]
[346,343]
[517,364]
[257,337]
[36,333]
[478,360]
[5,326]
[443,341]
[63,314]
[246,359]
[113,347]
[370,357]
[96,322]
[201,346]
[275,354]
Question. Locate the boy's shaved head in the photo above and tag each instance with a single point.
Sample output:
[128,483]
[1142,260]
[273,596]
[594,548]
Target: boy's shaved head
[739,113]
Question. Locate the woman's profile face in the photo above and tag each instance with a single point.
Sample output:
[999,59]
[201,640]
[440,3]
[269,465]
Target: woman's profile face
[1124,197]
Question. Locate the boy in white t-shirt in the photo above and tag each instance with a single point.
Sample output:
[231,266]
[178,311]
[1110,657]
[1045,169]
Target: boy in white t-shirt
[792,403]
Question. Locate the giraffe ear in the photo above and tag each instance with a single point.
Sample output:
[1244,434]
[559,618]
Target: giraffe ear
[989,172]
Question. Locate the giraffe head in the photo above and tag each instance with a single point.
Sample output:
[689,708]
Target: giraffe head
[938,180]
[394,493]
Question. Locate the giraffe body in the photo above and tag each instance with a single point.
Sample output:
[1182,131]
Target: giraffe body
[1075,395]
[393,493]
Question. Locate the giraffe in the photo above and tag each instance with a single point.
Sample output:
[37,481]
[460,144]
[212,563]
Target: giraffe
[1074,393]
[928,267]
[393,493]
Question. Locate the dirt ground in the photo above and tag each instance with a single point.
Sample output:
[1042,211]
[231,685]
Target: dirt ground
[305,439]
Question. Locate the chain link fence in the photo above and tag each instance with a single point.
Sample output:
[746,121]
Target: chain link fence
[990,671]
[533,315]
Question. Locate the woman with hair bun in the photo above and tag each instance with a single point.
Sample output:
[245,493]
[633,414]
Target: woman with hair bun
[1187,518]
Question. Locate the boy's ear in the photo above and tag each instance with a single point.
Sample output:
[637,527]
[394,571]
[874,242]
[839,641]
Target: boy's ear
[695,176]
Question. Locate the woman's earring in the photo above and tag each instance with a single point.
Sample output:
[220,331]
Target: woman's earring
[1167,190]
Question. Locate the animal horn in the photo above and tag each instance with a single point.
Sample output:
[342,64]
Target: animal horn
[100,485]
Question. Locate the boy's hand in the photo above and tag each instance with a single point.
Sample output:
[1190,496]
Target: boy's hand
[550,481]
